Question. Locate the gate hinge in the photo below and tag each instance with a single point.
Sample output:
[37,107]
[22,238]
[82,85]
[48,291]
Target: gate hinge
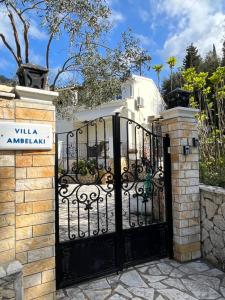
[168,150]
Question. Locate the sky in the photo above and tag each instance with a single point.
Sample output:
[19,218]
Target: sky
[164,28]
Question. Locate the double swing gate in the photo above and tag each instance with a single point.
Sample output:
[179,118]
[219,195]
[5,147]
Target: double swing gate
[113,198]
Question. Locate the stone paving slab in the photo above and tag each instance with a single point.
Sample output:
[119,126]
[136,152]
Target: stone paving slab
[164,279]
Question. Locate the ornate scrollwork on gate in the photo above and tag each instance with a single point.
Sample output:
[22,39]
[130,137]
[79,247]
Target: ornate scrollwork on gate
[142,176]
[85,185]
[86,182]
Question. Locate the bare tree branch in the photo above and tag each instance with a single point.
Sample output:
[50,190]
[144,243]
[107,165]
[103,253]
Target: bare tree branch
[9,48]
[32,7]
[25,31]
[48,50]
[50,41]
[16,37]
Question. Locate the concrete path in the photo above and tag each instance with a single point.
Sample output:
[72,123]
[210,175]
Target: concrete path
[158,280]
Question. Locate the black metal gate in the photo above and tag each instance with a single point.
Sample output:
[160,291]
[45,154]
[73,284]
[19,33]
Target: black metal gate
[113,198]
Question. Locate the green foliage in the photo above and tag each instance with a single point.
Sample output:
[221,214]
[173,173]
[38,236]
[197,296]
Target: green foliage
[211,62]
[209,97]
[158,69]
[85,167]
[171,61]
[223,56]
[102,73]
[6,81]
[192,58]
[87,58]
[212,172]
[177,80]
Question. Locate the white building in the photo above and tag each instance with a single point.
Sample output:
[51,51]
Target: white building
[140,101]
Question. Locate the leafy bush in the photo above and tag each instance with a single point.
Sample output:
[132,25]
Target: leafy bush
[85,167]
[213,172]
[209,98]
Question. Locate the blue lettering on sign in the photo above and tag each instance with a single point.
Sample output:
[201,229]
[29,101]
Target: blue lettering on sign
[16,141]
[25,131]
[25,141]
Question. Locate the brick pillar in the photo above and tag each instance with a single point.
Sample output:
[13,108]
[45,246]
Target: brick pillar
[181,125]
[7,183]
[29,199]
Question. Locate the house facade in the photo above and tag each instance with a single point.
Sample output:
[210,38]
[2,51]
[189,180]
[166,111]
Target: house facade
[140,101]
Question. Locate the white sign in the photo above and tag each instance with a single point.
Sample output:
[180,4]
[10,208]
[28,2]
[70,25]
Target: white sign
[25,136]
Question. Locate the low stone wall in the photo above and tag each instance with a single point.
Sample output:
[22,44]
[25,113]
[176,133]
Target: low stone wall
[11,281]
[213,224]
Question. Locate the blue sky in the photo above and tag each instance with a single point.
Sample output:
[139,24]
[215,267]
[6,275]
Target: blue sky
[164,27]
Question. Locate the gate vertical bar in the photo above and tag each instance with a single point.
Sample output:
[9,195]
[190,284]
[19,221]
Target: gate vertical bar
[168,192]
[118,187]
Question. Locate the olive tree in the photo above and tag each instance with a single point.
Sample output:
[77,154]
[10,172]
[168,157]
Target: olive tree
[85,23]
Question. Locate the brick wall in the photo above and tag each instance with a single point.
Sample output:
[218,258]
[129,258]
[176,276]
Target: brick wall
[181,125]
[27,201]
[7,186]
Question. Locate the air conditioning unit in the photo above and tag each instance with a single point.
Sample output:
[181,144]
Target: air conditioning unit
[140,102]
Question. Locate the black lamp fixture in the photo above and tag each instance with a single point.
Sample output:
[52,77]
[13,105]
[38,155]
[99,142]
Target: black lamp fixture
[177,97]
[33,76]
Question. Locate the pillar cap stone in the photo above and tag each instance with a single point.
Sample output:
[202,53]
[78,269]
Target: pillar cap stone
[179,111]
[6,91]
[28,94]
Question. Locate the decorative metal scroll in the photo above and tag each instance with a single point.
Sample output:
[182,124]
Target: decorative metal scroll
[85,182]
[142,176]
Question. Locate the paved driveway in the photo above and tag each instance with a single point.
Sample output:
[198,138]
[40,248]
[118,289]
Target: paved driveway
[158,280]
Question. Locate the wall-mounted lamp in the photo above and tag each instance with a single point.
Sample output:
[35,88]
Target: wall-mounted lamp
[195,142]
[186,150]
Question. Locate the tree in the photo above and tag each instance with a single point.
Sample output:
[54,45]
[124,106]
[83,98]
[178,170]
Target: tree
[103,74]
[82,21]
[211,121]
[192,58]
[93,64]
[223,56]
[6,81]
[177,83]
[158,69]
[171,61]
[211,62]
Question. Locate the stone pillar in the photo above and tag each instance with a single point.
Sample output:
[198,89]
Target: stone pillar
[27,199]
[7,183]
[181,125]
